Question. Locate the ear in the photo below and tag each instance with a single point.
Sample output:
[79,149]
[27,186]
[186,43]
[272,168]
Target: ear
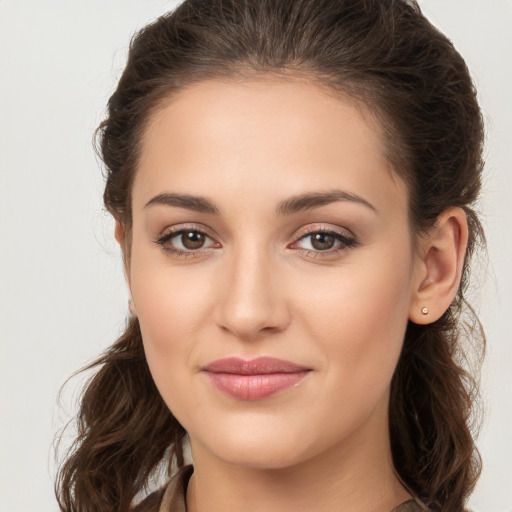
[439,267]
[119,233]
[120,236]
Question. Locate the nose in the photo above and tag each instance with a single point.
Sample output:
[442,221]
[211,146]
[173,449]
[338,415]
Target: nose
[251,301]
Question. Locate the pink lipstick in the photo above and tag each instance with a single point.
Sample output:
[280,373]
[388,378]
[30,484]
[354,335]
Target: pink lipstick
[255,379]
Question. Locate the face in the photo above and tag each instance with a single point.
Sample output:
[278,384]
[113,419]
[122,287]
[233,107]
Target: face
[271,269]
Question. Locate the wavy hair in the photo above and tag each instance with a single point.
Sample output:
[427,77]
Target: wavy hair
[388,57]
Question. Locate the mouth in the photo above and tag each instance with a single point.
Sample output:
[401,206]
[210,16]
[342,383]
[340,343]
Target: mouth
[255,379]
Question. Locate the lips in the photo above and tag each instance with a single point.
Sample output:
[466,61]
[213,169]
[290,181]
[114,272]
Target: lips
[255,379]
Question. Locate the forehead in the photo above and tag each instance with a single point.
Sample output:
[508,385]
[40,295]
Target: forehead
[262,138]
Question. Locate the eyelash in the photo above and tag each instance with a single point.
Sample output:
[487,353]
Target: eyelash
[345,242]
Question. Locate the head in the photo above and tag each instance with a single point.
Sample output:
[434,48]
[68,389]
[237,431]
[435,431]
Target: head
[375,99]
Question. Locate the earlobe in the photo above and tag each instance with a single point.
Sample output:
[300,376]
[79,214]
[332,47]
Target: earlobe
[439,268]
[119,233]
[131,308]
[121,239]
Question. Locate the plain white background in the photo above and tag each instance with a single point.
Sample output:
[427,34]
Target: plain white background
[62,292]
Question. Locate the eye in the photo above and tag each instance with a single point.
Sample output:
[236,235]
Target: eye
[324,242]
[186,241]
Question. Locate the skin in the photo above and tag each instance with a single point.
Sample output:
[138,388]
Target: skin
[259,287]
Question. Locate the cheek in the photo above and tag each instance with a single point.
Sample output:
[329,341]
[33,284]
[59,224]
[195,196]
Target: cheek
[359,316]
[172,308]
[165,306]
[169,298]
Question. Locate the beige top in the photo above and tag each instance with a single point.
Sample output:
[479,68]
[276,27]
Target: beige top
[171,498]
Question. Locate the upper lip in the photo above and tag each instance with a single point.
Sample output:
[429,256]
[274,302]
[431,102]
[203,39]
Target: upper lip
[258,366]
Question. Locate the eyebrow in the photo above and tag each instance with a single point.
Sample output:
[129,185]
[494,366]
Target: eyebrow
[315,199]
[289,206]
[195,203]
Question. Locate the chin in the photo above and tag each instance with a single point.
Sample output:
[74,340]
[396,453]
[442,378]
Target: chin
[267,457]
[259,445]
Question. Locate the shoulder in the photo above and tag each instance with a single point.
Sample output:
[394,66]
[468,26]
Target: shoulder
[169,498]
[151,503]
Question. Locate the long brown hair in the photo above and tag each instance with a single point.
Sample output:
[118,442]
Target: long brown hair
[382,53]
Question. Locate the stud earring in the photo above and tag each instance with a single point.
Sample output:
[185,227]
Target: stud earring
[424,311]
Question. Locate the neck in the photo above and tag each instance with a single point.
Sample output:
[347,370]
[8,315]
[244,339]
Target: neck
[354,476]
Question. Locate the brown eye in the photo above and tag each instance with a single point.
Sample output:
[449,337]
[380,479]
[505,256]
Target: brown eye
[187,241]
[325,243]
[322,241]
[192,240]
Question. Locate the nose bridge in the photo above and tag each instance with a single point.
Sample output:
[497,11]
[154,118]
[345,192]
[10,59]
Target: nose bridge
[252,300]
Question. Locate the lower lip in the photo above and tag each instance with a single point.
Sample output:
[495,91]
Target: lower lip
[254,387]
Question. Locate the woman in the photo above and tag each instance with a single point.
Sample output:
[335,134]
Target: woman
[292,185]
